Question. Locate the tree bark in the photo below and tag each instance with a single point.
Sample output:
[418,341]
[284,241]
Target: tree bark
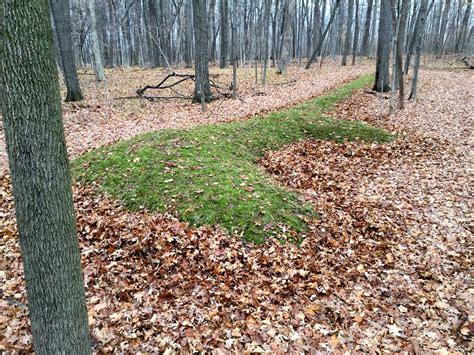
[366,37]
[381,83]
[285,55]
[201,50]
[356,33]
[418,46]
[348,36]
[442,32]
[98,65]
[401,35]
[317,47]
[224,8]
[62,23]
[31,107]
[461,41]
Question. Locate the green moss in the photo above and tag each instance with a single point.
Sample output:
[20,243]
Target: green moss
[208,175]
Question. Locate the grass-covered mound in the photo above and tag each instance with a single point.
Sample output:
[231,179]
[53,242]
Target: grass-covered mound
[209,174]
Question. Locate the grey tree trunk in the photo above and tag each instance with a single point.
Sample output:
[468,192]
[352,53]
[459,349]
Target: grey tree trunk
[62,23]
[98,65]
[418,46]
[318,47]
[235,50]
[317,25]
[356,33]
[366,37]
[202,90]
[31,107]
[224,8]
[188,34]
[348,36]
[462,38]
[442,32]
[381,83]
[285,56]
[401,35]
[266,20]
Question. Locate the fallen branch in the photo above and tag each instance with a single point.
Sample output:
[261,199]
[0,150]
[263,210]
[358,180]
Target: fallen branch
[467,60]
[181,78]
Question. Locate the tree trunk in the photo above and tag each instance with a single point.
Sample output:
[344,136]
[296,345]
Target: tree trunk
[401,35]
[381,83]
[285,55]
[461,41]
[317,47]
[31,107]
[266,21]
[348,37]
[317,30]
[366,38]
[62,23]
[98,65]
[224,8]
[201,50]
[356,34]
[442,31]
[188,34]
[234,49]
[418,46]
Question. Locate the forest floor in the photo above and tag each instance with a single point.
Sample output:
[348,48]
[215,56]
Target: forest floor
[104,117]
[386,267]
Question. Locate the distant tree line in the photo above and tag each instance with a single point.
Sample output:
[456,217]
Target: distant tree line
[262,33]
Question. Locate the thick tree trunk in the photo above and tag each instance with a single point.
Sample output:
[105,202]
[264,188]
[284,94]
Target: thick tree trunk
[381,83]
[224,9]
[366,37]
[62,23]
[348,36]
[36,148]
[201,50]
[98,65]
[356,33]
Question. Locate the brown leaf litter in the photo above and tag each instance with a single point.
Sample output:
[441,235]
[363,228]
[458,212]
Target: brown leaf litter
[386,268]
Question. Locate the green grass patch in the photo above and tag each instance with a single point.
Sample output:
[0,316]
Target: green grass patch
[208,175]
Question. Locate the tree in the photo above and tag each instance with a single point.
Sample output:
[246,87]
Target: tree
[381,83]
[318,46]
[285,55]
[401,34]
[61,15]
[224,7]
[462,38]
[98,66]
[442,32]
[366,37]
[356,33]
[201,50]
[348,37]
[31,107]
[419,31]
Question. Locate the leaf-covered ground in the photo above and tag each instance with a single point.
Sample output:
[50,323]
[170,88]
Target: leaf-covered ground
[101,118]
[386,268]
[208,175]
